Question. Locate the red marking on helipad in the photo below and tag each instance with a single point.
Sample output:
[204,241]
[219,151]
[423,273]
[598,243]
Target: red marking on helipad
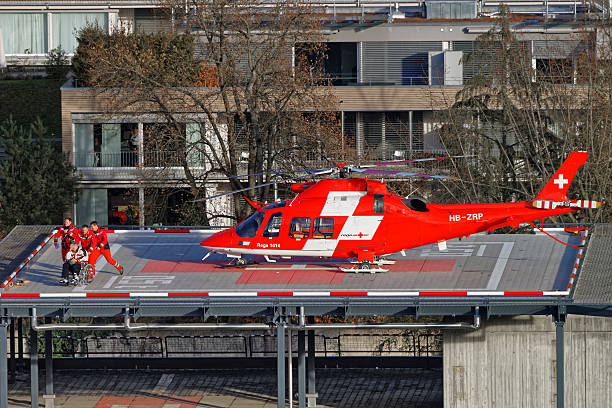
[402,265]
[292,274]
[180,401]
[291,277]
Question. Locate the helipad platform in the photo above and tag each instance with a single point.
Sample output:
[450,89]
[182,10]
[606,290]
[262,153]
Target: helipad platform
[170,265]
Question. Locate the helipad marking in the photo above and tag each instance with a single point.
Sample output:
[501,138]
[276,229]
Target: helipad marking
[101,262]
[110,282]
[500,265]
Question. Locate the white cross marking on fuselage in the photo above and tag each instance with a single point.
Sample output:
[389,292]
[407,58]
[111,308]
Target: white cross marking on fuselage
[561,181]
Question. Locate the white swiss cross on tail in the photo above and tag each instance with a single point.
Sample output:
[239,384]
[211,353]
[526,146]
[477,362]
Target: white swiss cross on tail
[561,181]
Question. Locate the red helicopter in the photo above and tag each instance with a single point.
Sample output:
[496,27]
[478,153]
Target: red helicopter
[353,217]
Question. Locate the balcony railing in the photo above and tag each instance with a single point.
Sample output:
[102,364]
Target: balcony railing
[422,80]
[132,159]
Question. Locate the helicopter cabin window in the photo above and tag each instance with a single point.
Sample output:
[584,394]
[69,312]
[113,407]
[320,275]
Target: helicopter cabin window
[275,205]
[273,228]
[323,228]
[378,204]
[249,227]
[299,228]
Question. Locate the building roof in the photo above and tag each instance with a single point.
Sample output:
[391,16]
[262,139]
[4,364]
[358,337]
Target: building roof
[18,244]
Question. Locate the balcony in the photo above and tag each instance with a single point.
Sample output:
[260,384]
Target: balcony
[129,165]
[123,159]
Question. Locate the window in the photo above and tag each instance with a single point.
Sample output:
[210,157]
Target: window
[275,205]
[66,25]
[273,227]
[24,33]
[249,227]
[323,228]
[378,204]
[299,228]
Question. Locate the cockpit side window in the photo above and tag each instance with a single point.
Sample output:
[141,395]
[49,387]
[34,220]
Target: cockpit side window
[379,204]
[273,227]
[323,228]
[299,227]
[249,227]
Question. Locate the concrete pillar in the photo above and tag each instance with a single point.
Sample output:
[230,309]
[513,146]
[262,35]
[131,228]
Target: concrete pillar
[141,207]
[34,368]
[302,369]
[49,397]
[280,363]
[3,364]
[560,351]
[410,133]
[140,144]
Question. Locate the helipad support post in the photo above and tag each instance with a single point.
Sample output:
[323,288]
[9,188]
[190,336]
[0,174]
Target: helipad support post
[3,364]
[49,397]
[301,369]
[20,343]
[312,396]
[34,368]
[280,362]
[13,362]
[559,323]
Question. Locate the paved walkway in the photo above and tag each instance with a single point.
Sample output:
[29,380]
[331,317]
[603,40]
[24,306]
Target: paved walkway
[353,388]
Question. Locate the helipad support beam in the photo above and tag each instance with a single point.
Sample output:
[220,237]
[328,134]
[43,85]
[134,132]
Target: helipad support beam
[301,369]
[312,396]
[3,364]
[20,343]
[13,362]
[34,368]
[559,323]
[49,396]
[280,362]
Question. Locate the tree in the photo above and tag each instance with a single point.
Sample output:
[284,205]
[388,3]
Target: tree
[521,122]
[57,64]
[38,183]
[253,97]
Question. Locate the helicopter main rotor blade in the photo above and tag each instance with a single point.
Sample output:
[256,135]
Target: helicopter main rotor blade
[400,173]
[323,171]
[278,172]
[393,163]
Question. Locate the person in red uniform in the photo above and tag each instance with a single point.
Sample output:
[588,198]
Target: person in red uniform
[66,233]
[88,241]
[102,247]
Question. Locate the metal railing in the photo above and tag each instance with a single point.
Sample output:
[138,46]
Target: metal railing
[155,158]
[420,80]
[412,344]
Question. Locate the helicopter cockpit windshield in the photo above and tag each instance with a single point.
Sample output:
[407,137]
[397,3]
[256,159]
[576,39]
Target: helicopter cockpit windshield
[249,227]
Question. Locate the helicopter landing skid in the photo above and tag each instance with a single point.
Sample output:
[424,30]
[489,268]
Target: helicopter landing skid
[363,270]
[369,267]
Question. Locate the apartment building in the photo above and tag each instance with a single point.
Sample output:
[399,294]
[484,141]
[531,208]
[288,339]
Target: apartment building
[393,65]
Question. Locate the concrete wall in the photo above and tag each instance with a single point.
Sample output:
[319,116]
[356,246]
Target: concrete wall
[510,362]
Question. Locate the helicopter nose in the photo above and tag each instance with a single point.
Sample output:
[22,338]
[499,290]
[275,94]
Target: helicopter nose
[221,239]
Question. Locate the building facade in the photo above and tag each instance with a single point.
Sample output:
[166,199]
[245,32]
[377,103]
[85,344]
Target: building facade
[393,67]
